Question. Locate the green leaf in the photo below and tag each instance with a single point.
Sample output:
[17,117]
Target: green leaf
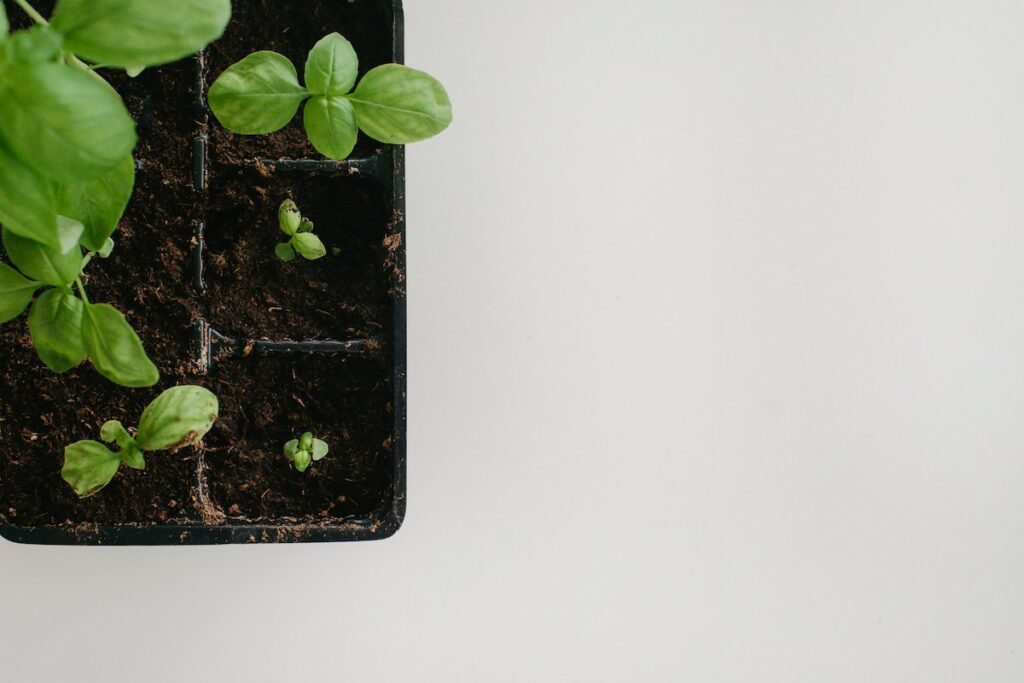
[64,122]
[306,225]
[398,105]
[115,348]
[34,45]
[301,460]
[291,448]
[332,66]
[306,441]
[309,246]
[320,449]
[330,124]
[285,252]
[99,203]
[5,25]
[89,466]
[44,263]
[131,455]
[107,249]
[289,217]
[179,417]
[15,293]
[55,323]
[140,33]
[259,94]
[28,201]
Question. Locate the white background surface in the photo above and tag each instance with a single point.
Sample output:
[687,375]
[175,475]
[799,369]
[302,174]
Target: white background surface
[716,362]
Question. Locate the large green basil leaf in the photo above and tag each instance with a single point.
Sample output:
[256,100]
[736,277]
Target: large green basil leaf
[332,66]
[44,263]
[139,33]
[15,293]
[258,95]
[28,201]
[115,349]
[179,417]
[397,105]
[99,203]
[89,466]
[64,122]
[55,323]
[331,126]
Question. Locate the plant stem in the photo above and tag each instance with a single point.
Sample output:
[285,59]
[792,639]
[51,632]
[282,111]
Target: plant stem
[29,10]
[81,290]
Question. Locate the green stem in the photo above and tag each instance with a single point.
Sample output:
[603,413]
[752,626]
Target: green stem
[81,290]
[30,10]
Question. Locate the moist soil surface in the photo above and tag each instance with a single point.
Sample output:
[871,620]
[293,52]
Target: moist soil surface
[239,474]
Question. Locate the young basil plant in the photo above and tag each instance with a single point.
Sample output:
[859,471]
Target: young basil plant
[66,328]
[304,451]
[392,103]
[299,230]
[66,137]
[179,417]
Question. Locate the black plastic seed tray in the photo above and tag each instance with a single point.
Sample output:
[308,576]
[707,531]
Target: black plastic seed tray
[214,347]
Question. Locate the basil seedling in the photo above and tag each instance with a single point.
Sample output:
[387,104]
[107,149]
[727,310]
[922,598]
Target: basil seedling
[179,417]
[392,103]
[67,329]
[305,450]
[299,230]
[66,137]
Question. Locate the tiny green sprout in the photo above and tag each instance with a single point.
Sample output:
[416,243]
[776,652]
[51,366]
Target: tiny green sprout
[177,418]
[299,230]
[303,451]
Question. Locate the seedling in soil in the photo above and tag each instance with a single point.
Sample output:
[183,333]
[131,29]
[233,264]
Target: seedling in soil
[304,451]
[66,137]
[66,328]
[392,103]
[299,230]
[179,417]
[66,166]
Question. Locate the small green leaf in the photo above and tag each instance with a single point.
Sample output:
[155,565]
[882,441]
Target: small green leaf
[131,455]
[89,466]
[107,249]
[398,105]
[289,217]
[302,460]
[330,124]
[259,94]
[64,122]
[309,246]
[306,225]
[285,252]
[28,201]
[136,33]
[332,66]
[291,448]
[320,449]
[99,203]
[306,441]
[113,431]
[44,263]
[15,293]
[115,348]
[179,417]
[55,323]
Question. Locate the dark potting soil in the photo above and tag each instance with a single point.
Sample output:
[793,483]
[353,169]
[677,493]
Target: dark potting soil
[241,474]
[292,29]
